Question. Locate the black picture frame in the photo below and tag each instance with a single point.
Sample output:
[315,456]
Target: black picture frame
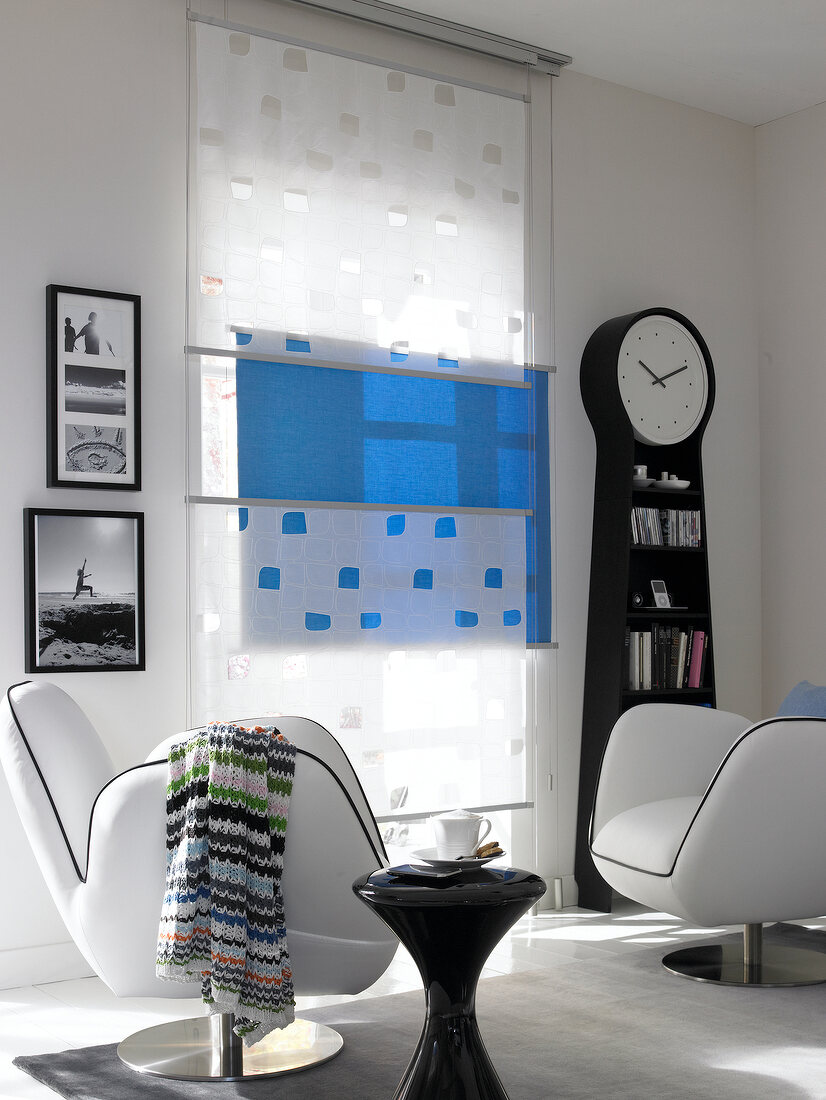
[87,630]
[93,340]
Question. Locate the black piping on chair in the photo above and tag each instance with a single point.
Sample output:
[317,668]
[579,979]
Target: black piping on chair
[381,858]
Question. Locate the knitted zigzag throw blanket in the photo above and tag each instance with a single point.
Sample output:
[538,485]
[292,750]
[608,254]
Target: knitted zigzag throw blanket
[222,918]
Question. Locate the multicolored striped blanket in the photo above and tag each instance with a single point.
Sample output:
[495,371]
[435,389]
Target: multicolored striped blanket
[222,918]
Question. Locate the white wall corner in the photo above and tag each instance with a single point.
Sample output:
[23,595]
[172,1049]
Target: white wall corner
[48,962]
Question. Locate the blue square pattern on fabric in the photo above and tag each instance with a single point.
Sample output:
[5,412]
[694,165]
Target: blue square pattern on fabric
[466,618]
[805,699]
[423,578]
[370,620]
[395,525]
[269,577]
[348,577]
[314,621]
[294,523]
[445,528]
[493,578]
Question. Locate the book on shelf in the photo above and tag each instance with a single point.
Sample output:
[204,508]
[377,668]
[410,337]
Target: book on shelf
[666,527]
[665,658]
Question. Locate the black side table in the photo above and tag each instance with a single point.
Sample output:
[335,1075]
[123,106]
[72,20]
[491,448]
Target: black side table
[450,926]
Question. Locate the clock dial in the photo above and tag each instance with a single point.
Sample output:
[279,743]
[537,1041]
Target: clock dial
[662,380]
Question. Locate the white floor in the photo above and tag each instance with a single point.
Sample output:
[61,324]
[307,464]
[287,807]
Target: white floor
[51,1017]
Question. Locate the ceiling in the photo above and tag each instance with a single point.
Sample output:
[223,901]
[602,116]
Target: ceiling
[750,60]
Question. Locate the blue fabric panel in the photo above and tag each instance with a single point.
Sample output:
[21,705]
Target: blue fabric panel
[314,621]
[423,578]
[269,577]
[466,618]
[294,523]
[805,699]
[300,432]
[348,577]
[394,469]
[370,620]
[317,433]
[538,610]
[395,525]
[408,400]
[511,618]
[493,578]
[445,528]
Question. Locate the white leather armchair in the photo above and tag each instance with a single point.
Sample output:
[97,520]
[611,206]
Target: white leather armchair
[100,840]
[701,814]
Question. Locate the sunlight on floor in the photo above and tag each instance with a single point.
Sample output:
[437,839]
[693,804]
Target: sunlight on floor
[590,932]
[797,1067]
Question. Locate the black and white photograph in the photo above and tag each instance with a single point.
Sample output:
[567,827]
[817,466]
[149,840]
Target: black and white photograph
[84,591]
[94,390]
[93,342]
[91,448]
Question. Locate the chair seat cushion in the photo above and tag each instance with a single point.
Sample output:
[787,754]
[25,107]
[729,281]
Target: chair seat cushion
[647,837]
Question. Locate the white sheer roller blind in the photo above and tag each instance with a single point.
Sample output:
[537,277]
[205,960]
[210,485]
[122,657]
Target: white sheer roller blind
[369,537]
[379,211]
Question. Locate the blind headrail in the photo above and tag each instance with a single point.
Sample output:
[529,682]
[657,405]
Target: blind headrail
[439,30]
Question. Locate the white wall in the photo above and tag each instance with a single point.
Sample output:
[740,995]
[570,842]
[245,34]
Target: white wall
[791,261]
[93,186]
[653,206]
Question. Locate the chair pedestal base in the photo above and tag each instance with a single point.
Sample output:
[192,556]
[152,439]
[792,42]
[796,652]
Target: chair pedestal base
[206,1049]
[728,964]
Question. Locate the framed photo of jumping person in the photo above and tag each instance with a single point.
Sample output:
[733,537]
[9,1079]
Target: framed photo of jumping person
[84,590]
[93,340]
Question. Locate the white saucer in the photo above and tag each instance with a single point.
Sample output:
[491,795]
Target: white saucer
[427,858]
[642,482]
[673,485]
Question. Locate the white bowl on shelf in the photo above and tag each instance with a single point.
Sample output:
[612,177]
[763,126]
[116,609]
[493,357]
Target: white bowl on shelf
[673,484]
[642,482]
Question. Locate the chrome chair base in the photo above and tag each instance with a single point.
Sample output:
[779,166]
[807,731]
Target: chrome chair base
[748,963]
[206,1049]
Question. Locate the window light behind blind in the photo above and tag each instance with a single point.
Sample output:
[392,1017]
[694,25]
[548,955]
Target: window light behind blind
[371,537]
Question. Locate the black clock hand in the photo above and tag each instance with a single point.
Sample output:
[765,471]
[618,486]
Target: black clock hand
[672,373]
[650,371]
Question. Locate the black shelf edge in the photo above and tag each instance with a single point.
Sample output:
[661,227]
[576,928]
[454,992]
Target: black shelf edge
[671,493]
[628,693]
[665,613]
[668,549]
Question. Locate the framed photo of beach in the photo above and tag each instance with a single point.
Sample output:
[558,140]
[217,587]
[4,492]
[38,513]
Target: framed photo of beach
[84,590]
[93,340]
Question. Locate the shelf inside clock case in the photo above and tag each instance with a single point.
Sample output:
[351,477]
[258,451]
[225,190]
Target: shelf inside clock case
[674,495]
[658,693]
[672,614]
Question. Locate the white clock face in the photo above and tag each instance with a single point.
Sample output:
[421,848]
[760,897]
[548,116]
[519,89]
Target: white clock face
[662,380]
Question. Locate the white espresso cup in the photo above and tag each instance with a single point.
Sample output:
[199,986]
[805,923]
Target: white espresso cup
[458,833]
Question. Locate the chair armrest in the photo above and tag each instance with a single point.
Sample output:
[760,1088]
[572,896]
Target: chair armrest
[756,850]
[126,877]
[661,750]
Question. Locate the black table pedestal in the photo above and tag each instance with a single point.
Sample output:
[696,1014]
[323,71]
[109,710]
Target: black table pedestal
[450,930]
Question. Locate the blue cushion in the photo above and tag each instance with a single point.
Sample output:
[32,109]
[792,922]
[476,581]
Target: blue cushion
[804,699]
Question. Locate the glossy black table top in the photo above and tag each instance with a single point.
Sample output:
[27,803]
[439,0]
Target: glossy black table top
[485,886]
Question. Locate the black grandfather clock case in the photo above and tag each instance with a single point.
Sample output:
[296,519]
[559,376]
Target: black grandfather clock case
[619,569]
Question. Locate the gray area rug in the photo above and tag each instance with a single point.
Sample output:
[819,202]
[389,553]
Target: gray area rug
[618,1027]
